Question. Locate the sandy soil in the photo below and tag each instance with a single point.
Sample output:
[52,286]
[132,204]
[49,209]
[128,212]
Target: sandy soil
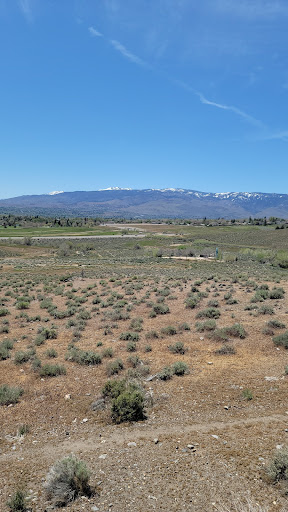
[203,445]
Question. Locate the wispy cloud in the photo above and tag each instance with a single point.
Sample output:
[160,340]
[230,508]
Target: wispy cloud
[127,54]
[276,136]
[236,110]
[94,32]
[250,119]
[25,6]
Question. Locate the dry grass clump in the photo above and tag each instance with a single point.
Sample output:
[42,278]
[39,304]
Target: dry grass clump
[67,479]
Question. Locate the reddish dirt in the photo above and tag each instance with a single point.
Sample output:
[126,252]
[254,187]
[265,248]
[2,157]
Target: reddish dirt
[233,438]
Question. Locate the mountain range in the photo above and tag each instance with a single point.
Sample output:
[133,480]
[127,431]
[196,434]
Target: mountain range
[150,203]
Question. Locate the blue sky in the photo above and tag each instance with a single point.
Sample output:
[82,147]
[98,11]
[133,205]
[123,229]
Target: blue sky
[143,94]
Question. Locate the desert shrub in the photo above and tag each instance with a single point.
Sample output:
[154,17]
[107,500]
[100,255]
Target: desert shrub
[128,406]
[191,302]
[10,394]
[107,352]
[129,336]
[113,388]
[116,315]
[226,350]
[160,309]
[131,346]
[236,330]
[259,296]
[184,327]
[276,324]
[177,348]
[52,370]
[151,335]
[139,372]
[114,367]
[268,331]
[134,361]
[22,305]
[7,344]
[219,334]
[169,330]
[39,340]
[51,353]
[208,313]
[276,293]
[48,334]
[22,357]
[18,501]
[250,307]
[4,312]
[147,348]
[207,325]
[36,364]
[266,310]
[231,301]
[83,357]
[4,353]
[23,429]
[179,368]
[5,347]
[213,303]
[136,324]
[247,394]
[278,467]
[165,374]
[67,479]
[281,339]
[84,315]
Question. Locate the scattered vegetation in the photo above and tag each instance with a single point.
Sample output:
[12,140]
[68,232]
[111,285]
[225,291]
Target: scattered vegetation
[66,480]
[10,394]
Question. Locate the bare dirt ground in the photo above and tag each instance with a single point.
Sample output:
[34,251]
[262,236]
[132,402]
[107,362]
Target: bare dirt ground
[202,446]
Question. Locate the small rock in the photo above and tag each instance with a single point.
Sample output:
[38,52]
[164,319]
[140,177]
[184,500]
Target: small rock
[156,440]
[215,436]
[226,407]
[190,446]
[151,377]
[98,405]
[209,362]
[67,397]
[279,446]
[103,456]
[131,444]
[84,420]
[94,508]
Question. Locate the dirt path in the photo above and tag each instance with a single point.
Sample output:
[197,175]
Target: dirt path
[118,437]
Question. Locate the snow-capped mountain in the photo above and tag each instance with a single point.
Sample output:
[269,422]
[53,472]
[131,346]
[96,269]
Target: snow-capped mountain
[151,203]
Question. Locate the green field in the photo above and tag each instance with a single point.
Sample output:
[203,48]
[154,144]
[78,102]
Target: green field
[57,231]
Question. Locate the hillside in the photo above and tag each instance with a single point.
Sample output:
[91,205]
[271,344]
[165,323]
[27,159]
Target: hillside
[151,203]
